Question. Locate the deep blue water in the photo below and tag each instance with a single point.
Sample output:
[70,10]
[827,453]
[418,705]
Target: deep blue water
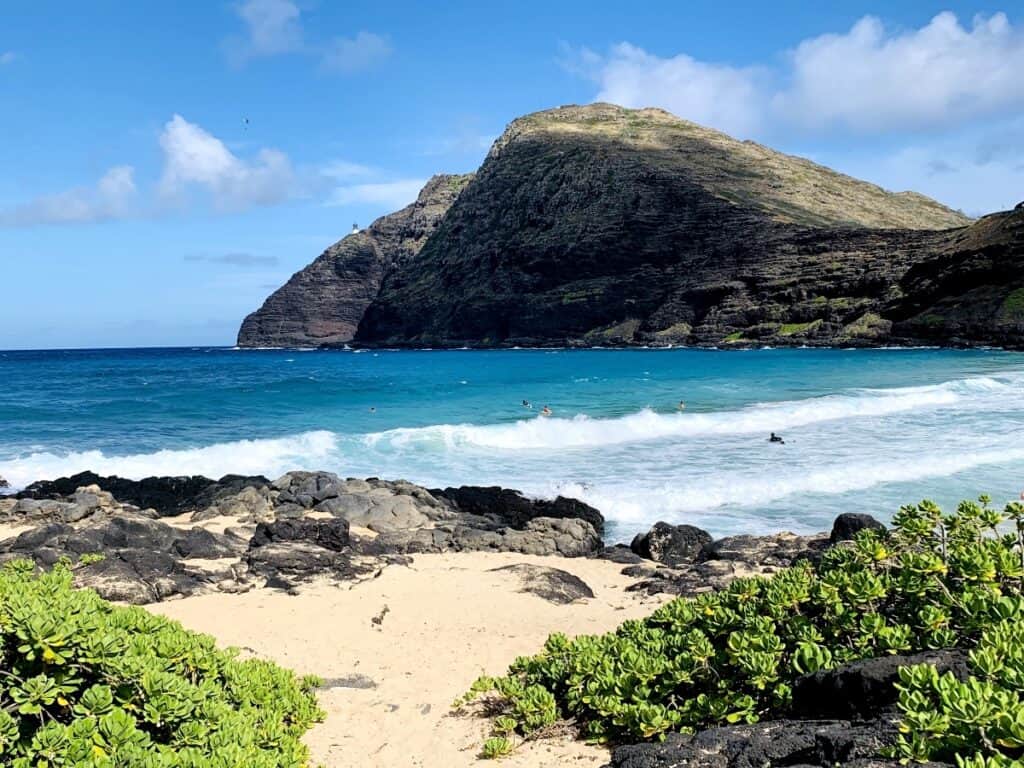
[864,430]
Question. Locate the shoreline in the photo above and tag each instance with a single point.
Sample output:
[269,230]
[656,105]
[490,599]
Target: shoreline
[396,596]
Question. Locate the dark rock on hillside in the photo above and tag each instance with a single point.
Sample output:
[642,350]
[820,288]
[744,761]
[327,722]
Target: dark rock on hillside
[672,545]
[515,510]
[323,303]
[865,689]
[848,524]
[4,483]
[551,584]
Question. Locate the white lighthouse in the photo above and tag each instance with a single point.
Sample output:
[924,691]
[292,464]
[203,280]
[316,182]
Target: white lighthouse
[355,229]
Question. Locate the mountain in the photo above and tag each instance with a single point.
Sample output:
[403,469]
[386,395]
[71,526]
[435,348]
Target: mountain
[603,225]
[323,303]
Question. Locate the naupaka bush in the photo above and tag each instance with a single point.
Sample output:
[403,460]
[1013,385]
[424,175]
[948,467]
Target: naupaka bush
[86,684]
[934,581]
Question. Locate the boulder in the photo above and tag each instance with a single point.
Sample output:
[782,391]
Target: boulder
[514,510]
[822,743]
[848,524]
[865,689]
[671,544]
[542,536]
[169,496]
[551,584]
[330,534]
[780,549]
[203,544]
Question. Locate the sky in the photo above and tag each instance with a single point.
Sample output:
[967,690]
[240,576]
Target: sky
[168,165]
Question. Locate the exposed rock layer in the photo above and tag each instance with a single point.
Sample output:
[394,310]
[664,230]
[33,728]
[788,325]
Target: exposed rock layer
[324,302]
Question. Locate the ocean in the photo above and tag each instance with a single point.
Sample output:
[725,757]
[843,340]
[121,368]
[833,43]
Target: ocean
[864,430]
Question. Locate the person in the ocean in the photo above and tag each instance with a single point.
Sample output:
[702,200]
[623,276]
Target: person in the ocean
[546,411]
[526,404]
[372,409]
[776,439]
[682,406]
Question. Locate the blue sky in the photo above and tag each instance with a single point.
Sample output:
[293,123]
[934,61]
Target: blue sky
[168,164]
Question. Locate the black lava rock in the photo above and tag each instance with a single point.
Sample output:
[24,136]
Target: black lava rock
[848,524]
[671,544]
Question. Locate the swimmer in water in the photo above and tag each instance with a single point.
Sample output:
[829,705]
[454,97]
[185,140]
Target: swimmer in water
[682,406]
[372,409]
[546,411]
[776,439]
[526,404]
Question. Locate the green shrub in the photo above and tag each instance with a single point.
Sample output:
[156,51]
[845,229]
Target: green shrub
[495,747]
[934,581]
[85,684]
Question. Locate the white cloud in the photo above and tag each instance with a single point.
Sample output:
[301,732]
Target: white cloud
[195,158]
[872,80]
[7,57]
[111,197]
[393,194]
[272,27]
[343,170]
[355,54]
[240,259]
[713,94]
[869,79]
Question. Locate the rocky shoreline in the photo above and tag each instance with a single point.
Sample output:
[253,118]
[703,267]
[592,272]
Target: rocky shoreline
[163,539]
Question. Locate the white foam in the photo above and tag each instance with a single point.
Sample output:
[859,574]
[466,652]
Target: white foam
[715,492]
[582,431]
[271,457]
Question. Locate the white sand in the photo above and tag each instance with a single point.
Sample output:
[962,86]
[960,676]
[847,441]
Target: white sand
[449,620]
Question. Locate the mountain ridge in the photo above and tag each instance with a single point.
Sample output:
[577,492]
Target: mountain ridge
[601,225]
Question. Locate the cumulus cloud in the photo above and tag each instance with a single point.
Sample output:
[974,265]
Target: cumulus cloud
[713,94]
[870,79]
[271,27]
[194,158]
[393,194]
[873,80]
[274,27]
[235,259]
[355,54]
[110,197]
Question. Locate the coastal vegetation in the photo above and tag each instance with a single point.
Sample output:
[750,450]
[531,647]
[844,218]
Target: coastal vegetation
[86,684]
[935,581]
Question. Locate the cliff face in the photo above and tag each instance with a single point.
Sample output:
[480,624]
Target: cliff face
[323,303]
[602,225]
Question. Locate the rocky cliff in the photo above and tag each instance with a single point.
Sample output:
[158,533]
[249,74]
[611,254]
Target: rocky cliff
[323,303]
[603,225]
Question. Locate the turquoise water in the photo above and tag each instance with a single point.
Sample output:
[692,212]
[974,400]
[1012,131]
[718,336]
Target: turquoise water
[864,430]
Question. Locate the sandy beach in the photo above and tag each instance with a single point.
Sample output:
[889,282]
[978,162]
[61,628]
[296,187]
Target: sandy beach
[389,685]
